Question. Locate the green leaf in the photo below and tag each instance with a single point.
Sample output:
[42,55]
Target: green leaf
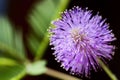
[12,72]
[33,43]
[41,16]
[11,43]
[10,69]
[36,68]
[40,19]
[7,62]
[18,41]
[6,32]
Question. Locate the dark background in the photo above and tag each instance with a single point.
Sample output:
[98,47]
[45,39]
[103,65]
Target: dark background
[110,9]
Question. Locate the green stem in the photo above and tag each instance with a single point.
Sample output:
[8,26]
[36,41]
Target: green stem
[107,70]
[63,4]
[60,75]
[42,48]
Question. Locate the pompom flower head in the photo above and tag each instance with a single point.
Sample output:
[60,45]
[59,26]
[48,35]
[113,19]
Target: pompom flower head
[79,39]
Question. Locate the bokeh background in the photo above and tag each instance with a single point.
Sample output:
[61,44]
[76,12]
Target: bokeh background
[17,10]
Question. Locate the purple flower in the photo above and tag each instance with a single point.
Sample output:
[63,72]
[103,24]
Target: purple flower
[79,39]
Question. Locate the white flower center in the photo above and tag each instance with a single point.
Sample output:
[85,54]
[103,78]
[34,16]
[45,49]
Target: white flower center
[76,35]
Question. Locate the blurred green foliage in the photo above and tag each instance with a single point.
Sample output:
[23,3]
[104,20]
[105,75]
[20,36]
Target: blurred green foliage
[14,64]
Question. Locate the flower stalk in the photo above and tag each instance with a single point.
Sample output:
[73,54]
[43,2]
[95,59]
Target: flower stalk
[107,70]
